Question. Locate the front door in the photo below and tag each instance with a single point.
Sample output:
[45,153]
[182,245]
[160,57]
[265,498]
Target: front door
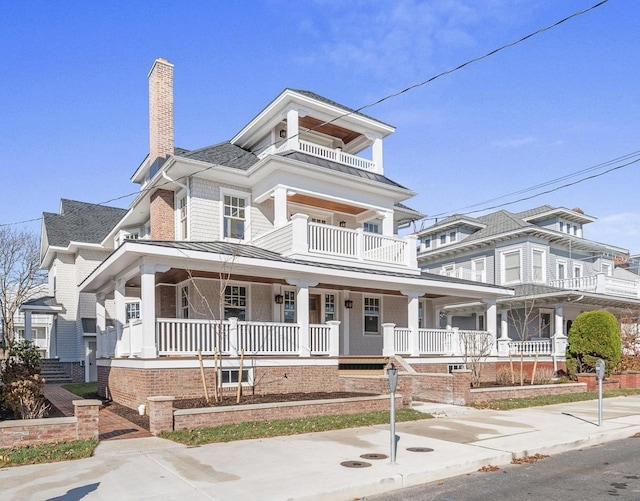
[91,370]
[314,308]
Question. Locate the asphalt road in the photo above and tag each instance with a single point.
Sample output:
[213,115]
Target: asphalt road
[606,472]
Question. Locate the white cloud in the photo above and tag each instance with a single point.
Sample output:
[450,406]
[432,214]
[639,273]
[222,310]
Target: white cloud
[515,143]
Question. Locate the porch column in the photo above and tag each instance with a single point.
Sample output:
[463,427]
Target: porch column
[388,340]
[503,341]
[436,320]
[559,320]
[449,321]
[148,310]
[300,237]
[293,129]
[279,206]
[559,339]
[376,153]
[413,320]
[28,335]
[387,222]
[101,325]
[302,312]
[491,318]
[121,316]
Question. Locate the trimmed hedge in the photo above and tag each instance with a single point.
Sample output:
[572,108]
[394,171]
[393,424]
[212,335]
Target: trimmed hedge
[593,335]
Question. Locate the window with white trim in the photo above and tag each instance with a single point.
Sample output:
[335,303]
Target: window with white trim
[452,236]
[427,243]
[421,309]
[132,310]
[561,270]
[511,267]
[329,307]
[545,323]
[372,315]
[184,301]
[289,306]
[606,269]
[577,271]
[478,266]
[372,226]
[182,218]
[229,377]
[235,302]
[234,216]
[538,265]
[443,239]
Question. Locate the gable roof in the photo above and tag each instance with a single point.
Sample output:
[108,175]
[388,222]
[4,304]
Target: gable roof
[224,153]
[80,222]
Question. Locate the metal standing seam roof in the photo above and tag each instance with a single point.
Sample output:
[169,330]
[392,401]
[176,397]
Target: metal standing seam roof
[80,222]
[252,252]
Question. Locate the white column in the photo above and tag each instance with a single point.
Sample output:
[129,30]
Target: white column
[279,206]
[293,129]
[503,341]
[334,337]
[376,155]
[492,323]
[411,251]
[121,316]
[346,314]
[101,325]
[28,335]
[300,233]
[413,320]
[302,313]
[559,320]
[449,321]
[148,310]
[559,340]
[388,340]
[387,222]
[234,338]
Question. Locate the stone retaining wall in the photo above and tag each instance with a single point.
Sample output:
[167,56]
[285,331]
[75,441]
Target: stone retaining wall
[84,425]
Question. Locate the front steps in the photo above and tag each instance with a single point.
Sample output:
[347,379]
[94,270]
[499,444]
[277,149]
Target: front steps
[53,371]
[362,366]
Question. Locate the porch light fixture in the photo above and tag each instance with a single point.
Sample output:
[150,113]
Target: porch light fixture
[283,133]
[342,224]
[279,298]
[348,304]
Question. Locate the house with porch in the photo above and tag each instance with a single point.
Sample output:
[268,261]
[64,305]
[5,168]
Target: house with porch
[277,250]
[543,255]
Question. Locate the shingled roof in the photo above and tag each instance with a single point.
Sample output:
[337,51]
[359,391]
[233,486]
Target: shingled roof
[225,153]
[80,222]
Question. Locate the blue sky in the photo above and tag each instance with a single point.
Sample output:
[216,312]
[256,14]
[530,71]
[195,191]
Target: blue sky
[74,102]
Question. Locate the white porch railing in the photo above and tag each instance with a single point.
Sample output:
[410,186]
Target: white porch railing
[398,341]
[317,150]
[473,275]
[532,347]
[601,284]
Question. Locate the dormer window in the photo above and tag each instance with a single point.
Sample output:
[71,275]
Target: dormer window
[427,243]
[443,239]
[452,236]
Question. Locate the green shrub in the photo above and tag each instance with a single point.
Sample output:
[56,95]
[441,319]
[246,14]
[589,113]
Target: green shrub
[22,390]
[593,335]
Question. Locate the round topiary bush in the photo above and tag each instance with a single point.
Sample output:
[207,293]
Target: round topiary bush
[593,335]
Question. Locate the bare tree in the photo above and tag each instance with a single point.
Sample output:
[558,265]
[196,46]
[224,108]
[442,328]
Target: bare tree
[476,347]
[20,275]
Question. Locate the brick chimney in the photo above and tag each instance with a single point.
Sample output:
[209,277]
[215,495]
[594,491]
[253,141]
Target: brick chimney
[160,111]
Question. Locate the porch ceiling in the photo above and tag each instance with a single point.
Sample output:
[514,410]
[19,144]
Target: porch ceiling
[329,129]
[326,204]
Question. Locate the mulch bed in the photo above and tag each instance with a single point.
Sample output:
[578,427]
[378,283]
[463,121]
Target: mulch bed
[227,400]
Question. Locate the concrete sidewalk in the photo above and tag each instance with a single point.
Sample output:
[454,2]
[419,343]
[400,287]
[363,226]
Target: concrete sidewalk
[308,467]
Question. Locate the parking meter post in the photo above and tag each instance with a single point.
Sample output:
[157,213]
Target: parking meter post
[600,376]
[392,373]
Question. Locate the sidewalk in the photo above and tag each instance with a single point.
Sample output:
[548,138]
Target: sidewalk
[308,467]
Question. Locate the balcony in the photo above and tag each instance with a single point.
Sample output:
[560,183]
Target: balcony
[301,238]
[601,284]
[317,150]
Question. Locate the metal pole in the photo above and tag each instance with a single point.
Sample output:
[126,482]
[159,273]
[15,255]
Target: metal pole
[393,428]
[599,402]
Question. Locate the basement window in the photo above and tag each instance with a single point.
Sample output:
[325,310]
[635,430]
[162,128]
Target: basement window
[455,367]
[229,377]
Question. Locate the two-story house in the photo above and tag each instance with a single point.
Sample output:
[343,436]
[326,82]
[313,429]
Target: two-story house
[280,245]
[543,255]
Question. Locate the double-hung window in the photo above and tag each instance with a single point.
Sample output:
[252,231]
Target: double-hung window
[372,226]
[562,270]
[372,315]
[329,307]
[235,302]
[538,265]
[289,306]
[511,267]
[132,309]
[182,218]
[234,219]
[184,301]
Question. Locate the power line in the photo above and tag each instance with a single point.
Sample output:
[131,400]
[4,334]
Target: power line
[370,105]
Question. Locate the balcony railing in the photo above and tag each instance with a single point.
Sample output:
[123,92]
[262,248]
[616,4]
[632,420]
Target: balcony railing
[317,150]
[601,284]
[432,342]
[473,275]
[302,237]
[188,337]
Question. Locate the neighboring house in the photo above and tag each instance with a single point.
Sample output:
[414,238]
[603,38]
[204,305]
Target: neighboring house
[543,255]
[281,243]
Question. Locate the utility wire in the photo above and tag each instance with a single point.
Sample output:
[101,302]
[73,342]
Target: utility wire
[358,110]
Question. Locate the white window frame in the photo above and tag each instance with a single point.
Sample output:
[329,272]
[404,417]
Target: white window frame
[577,267]
[442,239]
[182,215]
[449,270]
[326,303]
[373,223]
[453,236]
[551,313]
[427,243]
[315,215]
[226,192]
[183,300]
[378,299]
[474,268]
[247,292]
[129,303]
[481,322]
[543,265]
[236,370]
[561,263]
[606,269]
[503,270]
[289,300]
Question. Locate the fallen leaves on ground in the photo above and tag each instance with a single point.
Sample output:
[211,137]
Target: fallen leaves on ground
[529,459]
[489,467]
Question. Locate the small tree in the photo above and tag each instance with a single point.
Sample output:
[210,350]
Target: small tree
[476,347]
[630,333]
[593,335]
[20,275]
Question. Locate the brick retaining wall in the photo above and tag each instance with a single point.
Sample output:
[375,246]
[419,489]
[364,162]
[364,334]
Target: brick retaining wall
[43,431]
[216,416]
[488,394]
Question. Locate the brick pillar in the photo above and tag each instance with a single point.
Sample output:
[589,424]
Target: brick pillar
[160,110]
[160,414]
[461,386]
[87,415]
[162,215]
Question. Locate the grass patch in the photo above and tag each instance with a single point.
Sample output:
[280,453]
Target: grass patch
[506,404]
[47,453]
[84,390]
[281,427]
